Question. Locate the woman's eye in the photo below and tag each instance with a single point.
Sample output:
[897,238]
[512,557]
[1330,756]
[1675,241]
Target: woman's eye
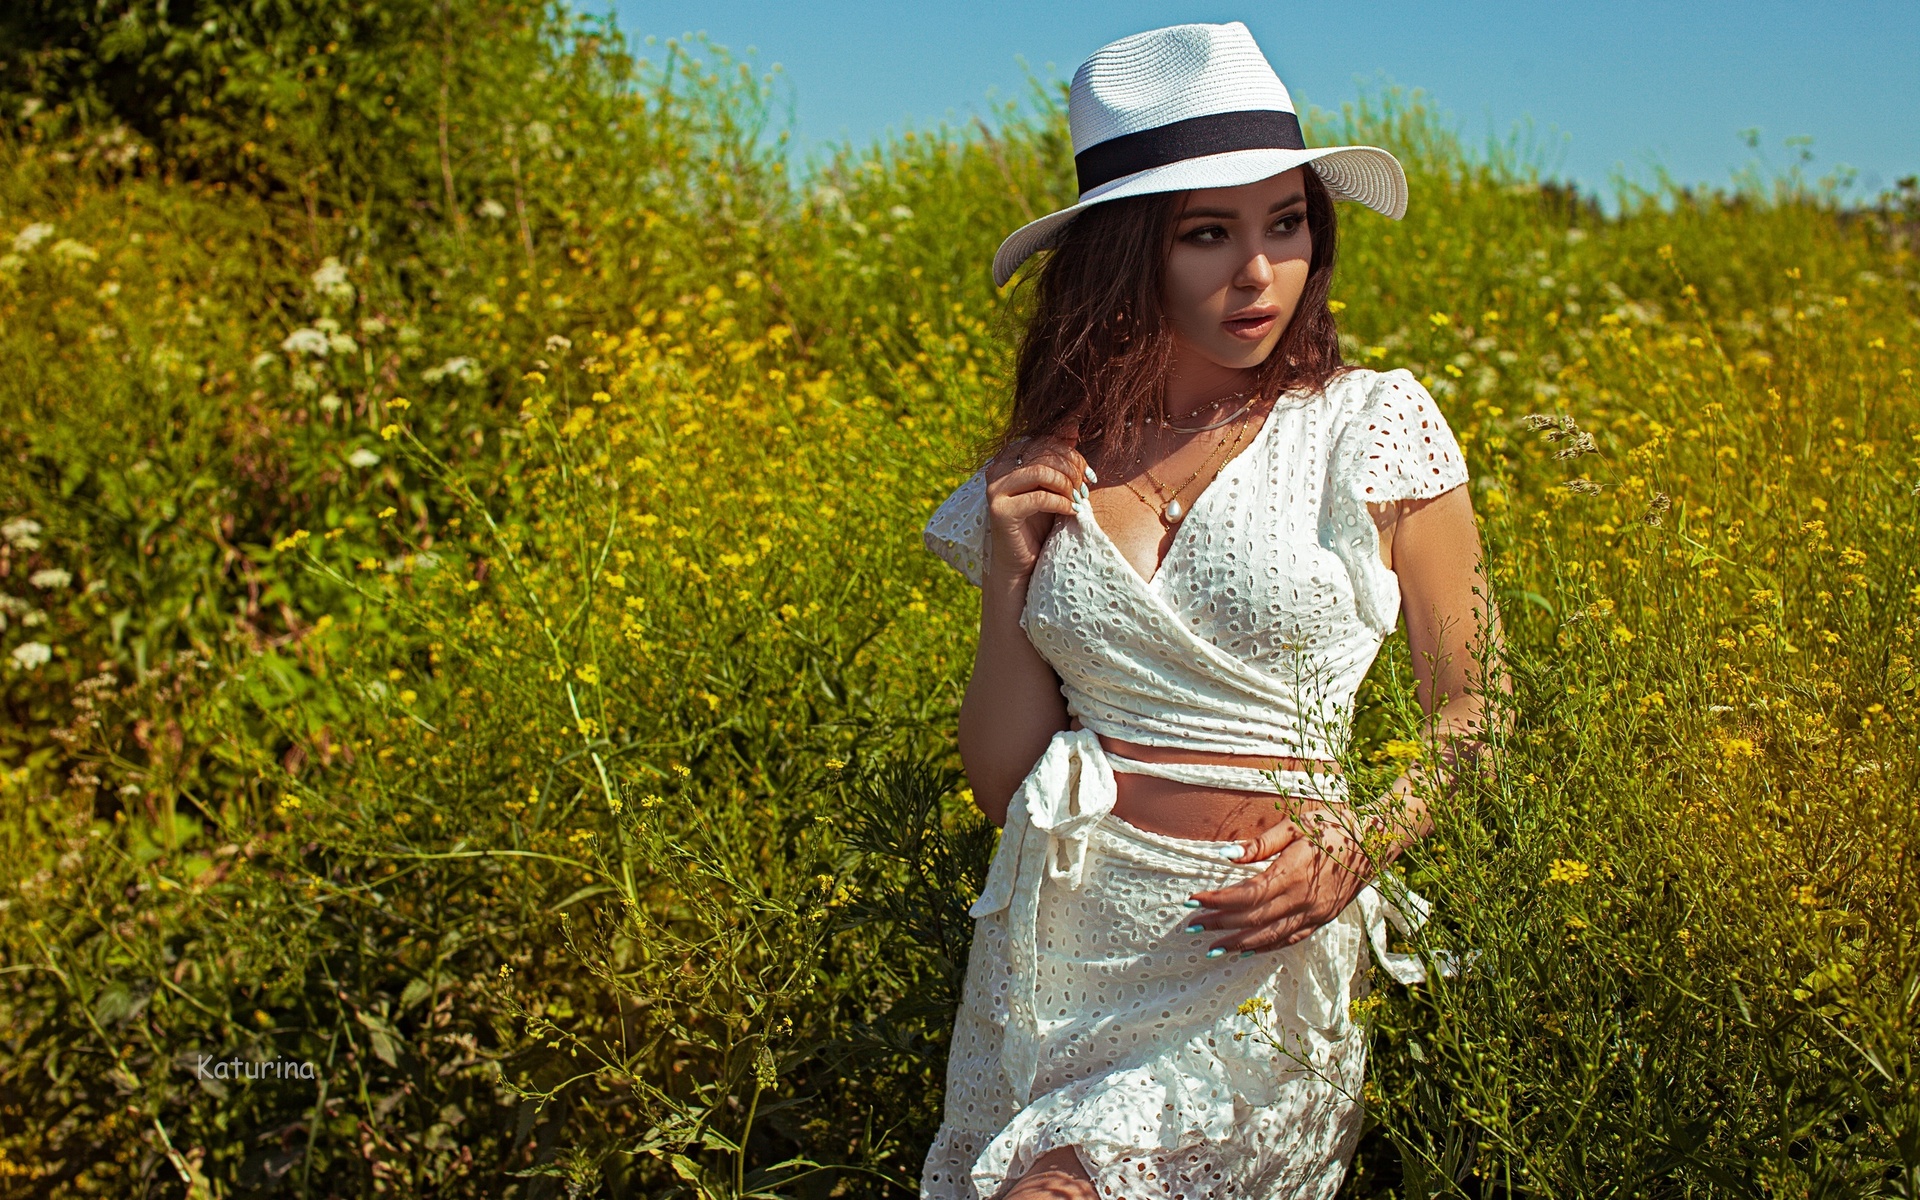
[1289,224]
[1206,234]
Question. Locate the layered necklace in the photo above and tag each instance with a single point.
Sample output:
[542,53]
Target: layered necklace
[1251,399]
[1166,501]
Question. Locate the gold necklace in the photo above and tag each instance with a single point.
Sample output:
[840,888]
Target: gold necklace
[1170,511]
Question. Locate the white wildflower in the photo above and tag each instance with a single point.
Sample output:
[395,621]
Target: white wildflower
[330,403]
[460,369]
[331,280]
[50,578]
[30,237]
[16,607]
[340,343]
[68,250]
[262,361]
[900,212]
[32,654]
[559,343]
[330,275]
[491,209]
[20,532]
[306,341]
[363,457]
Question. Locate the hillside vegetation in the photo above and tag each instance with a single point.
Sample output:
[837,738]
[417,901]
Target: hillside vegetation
[464,633]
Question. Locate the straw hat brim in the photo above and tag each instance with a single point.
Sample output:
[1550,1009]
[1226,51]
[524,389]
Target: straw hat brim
[1364,174]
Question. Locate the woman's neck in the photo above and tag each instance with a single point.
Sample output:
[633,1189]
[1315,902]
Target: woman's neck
[1196,386]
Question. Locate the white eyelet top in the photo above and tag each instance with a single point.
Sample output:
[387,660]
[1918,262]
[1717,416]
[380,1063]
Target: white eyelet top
[1253,635]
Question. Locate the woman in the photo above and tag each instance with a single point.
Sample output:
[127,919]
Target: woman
[1196,534]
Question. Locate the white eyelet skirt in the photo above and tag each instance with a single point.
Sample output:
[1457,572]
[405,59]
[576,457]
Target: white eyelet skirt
[1091,1019]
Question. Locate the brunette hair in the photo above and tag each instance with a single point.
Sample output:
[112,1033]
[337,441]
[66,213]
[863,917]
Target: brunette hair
[1097,345]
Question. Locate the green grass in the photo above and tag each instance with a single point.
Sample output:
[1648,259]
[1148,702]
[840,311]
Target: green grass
[577,792]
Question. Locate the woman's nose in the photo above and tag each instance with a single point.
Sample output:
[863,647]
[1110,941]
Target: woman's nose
[1255,272]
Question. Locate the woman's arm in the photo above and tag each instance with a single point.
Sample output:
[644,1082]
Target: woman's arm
[1313,873]
[1433,546]
[1013,705]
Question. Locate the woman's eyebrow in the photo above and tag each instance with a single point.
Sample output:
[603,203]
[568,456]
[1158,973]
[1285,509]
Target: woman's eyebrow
[1232,214]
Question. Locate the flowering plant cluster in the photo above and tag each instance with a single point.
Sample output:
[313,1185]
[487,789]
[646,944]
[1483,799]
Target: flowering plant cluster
[465,632]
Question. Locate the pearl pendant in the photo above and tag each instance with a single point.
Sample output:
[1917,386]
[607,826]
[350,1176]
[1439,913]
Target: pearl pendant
[1174,511]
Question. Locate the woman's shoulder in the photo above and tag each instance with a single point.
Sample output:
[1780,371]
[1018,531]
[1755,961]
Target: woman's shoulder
[1354,388]
[1395,441]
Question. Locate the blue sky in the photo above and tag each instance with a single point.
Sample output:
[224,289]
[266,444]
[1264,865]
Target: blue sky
[1606,88]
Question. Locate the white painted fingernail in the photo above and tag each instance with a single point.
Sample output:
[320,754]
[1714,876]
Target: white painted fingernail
[1091,477]
[1233,853]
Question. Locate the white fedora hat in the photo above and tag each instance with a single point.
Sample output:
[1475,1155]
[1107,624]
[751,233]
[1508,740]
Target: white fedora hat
[1192,106]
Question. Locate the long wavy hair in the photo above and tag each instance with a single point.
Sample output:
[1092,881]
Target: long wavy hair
[1098,345]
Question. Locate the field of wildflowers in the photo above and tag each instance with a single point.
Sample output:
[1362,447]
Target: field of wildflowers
[464,632]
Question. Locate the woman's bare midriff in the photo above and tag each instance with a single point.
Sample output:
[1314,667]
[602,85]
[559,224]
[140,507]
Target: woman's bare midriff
[1182,810]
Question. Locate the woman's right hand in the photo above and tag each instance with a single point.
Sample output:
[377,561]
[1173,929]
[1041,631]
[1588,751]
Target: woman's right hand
[1028,486]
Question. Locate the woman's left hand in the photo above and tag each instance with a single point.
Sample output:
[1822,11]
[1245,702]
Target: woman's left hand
[1316,865]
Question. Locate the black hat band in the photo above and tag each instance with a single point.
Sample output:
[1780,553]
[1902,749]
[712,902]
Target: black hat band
[1195,137]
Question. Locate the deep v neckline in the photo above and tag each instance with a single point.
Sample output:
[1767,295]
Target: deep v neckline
[1193,510]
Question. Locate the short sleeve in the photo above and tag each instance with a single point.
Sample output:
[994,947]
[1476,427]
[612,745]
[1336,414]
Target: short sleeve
[1411,453]
[957,530]
[1395,445]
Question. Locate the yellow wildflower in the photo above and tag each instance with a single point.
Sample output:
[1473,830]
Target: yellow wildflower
[1568,871]
[1402,751]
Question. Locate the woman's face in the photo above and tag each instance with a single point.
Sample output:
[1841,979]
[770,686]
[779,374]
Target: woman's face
[1237,268]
